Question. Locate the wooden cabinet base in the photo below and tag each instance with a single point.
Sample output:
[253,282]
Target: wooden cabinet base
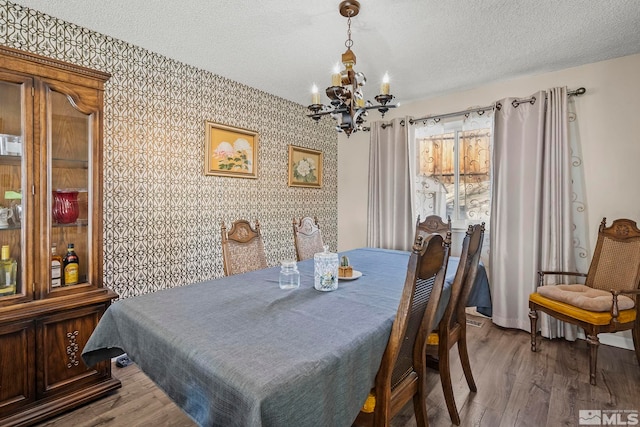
[61,403]
[42,374]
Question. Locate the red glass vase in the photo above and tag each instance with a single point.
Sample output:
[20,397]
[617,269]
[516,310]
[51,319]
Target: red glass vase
[65,207]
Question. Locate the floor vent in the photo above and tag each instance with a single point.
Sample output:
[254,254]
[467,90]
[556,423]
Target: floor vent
[476,323]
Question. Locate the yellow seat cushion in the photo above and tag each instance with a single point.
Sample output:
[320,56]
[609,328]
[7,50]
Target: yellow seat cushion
[585,297]
[369,404]
[593,317]
[433,339]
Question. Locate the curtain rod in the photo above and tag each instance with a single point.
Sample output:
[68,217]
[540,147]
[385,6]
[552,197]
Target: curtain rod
[532,100]
[515,103]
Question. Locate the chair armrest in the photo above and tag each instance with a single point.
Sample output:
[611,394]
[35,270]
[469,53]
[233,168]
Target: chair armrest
[541,274]
[631,291]
[614,307]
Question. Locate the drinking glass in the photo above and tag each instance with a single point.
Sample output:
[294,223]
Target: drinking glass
[289,275]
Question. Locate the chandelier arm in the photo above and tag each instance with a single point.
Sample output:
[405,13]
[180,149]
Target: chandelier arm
[376,107]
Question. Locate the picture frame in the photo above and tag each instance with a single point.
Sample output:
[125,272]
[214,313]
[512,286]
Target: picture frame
[230,151]
[305,167]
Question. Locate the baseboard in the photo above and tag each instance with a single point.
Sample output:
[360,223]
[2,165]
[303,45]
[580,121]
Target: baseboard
[614,340]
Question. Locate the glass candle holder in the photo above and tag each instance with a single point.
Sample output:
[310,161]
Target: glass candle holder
[289,275]
[325,270]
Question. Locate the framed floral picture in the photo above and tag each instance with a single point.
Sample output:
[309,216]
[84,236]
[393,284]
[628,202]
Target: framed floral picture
[305,167]
[231,151]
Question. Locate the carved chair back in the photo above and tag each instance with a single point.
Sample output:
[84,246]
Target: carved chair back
[242,248]
[307,237]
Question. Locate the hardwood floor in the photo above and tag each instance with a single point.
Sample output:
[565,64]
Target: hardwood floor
[515,387]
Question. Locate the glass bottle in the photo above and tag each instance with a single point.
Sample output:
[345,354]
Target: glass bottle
[71,265]
[8,269]
[289,275]
[56,268]
[325,270]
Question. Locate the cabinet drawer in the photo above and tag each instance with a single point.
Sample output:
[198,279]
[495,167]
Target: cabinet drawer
[60,340]
[17,366]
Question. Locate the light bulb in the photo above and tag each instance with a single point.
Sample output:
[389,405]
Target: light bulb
[336,78]
[315,96]
[384,87]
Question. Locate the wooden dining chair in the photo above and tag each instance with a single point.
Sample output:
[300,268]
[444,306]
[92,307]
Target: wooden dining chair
[242,248]
[307,237]
[401,375]
[433,224]
[608,301]
[452,328]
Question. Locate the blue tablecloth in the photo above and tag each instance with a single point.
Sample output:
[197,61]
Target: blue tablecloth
[480,296]
[239,351]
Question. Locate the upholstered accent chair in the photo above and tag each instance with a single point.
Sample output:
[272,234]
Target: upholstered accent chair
[608,300]
[307,237]
[242,248]
[433,224]
[401,375]
[452,328]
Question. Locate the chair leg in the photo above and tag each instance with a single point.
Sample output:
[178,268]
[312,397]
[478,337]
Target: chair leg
[445,379]
[420,408]
[464,358]
[594,343]
[636,340]
[533,317]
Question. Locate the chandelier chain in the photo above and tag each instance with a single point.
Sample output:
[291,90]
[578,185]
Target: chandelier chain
[349,42]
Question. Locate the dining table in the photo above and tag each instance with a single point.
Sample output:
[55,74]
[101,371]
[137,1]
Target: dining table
[240,351]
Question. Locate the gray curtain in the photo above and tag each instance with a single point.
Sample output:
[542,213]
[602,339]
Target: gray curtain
[531,216]
[389,220]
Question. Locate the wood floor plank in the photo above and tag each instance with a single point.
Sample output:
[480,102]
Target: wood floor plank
[516,387]
[527,405]
[497,373]
[568,397]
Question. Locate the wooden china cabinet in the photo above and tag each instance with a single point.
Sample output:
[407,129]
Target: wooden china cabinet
[51,117]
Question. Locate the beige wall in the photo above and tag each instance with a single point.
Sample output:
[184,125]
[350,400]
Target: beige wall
[609,133]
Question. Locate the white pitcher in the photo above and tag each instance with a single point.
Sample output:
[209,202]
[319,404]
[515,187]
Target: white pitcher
[5,214]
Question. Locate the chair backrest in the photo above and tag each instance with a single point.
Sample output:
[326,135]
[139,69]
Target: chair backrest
[475,234]
[432,224]
[307,237]
[404,357]
[242,248]
[616,260]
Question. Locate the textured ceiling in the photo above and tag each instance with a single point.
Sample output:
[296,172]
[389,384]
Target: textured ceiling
[428,47]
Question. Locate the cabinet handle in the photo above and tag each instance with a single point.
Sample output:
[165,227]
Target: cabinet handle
[72,349]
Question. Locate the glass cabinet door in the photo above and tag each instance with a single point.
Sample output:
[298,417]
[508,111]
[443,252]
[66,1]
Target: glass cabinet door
[69,142]
[15,136]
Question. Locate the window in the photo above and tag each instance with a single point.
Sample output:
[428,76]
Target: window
[453,169]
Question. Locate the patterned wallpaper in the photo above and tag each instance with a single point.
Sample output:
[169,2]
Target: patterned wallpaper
[162,215]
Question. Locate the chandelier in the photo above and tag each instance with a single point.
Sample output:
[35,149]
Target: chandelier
[348,105]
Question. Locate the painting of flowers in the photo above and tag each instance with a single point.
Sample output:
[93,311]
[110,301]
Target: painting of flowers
[231,151]
[305,167]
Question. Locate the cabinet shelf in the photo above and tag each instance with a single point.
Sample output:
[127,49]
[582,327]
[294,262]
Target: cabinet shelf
[69,163]
[78,223]
[11,227]
[10,160]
